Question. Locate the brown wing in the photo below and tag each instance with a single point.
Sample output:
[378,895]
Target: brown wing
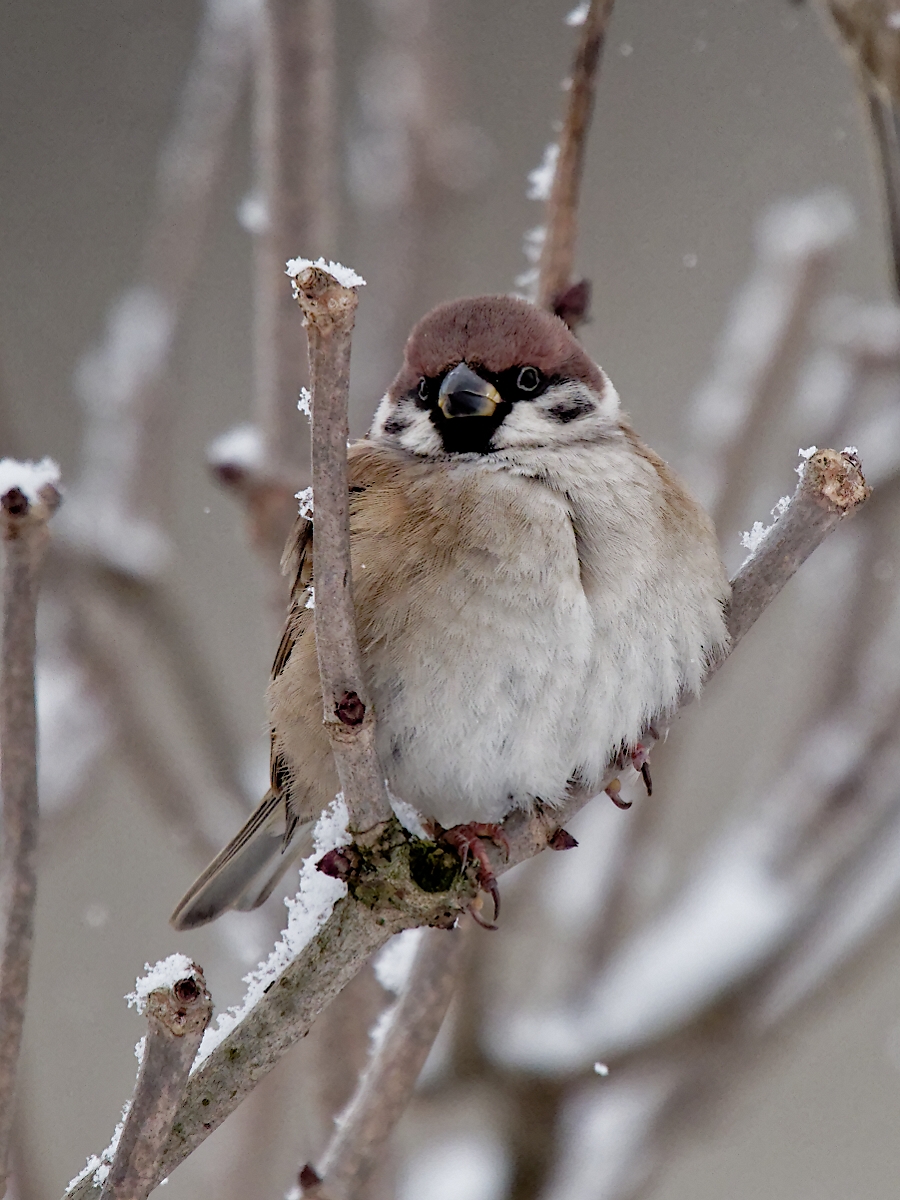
[297,564]
[301,764]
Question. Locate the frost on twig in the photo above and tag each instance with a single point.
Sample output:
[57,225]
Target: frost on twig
[28,498]
[831,486]
[307,913]
[329,309]
[238,461]
[173,996]
[177,1005]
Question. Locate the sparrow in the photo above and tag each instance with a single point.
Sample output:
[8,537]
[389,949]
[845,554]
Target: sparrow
[534,587]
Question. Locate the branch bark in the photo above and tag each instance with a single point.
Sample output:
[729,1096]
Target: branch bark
[329,311]
[558,252]
[831,486]
[176,1018]
[23,524]
[385,1088]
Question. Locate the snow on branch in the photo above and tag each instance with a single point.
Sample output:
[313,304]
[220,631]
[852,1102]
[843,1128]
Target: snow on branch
[29,478]
[831,486]
[174,998]
[27,500]
[178,1008]
[307,913]
[346,276]
[329,310]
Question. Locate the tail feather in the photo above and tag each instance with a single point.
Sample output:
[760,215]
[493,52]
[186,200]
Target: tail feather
[244,874]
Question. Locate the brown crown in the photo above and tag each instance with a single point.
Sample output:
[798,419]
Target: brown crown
[495,332]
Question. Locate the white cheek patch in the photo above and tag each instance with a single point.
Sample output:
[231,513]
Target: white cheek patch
[525,425]
[569,412]
[383,413]
[404,423]
[420,436]
[610,404]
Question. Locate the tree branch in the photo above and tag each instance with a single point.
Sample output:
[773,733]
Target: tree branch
[830,487]
[384,1090]
[177,1016]
[24,512]
[294,133]
[387,895]
[329,310]
[558,252]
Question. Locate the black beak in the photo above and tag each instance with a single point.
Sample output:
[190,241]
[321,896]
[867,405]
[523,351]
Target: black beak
[465,394]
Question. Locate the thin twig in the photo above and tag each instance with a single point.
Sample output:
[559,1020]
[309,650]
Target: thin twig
[558,251]
[355,931]
[883,124]
[329,310]
[385,1088]
[177,1016]
[871,41]
[294,129]
[23,523]
[830,487]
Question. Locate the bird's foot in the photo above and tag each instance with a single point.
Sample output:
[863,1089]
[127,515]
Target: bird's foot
[639,757]
[614,791]
[469,840]
[640,760]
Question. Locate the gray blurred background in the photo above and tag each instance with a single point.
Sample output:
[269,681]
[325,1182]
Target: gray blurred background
[706,114]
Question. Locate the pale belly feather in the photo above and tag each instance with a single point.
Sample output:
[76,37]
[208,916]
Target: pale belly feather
[480,716]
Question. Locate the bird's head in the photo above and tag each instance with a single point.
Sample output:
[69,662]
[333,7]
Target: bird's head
[489,374]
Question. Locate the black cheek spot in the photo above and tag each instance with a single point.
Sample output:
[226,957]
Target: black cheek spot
[394,425]
[570,410]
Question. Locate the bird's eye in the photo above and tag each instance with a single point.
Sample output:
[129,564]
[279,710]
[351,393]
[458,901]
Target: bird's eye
[423,389]
[529,379]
